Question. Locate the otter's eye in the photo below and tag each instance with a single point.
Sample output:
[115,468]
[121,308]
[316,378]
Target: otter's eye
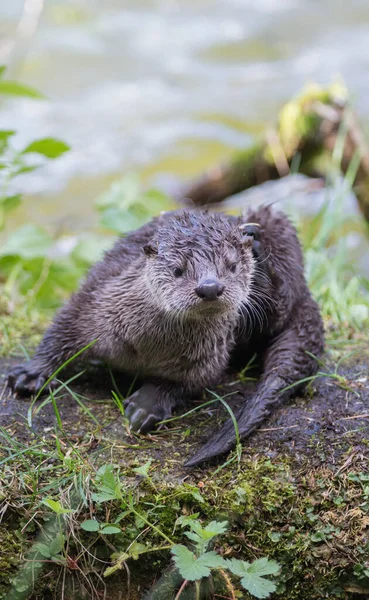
[233,268]
[178,272]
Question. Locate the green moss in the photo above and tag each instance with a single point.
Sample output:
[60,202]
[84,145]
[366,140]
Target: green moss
[311,519]
[10,556]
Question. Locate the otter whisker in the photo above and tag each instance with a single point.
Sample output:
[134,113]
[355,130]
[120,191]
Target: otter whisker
[261,299]
[247,320]
[263,256]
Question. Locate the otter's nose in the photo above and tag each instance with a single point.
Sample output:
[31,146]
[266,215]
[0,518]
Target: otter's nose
[209,289]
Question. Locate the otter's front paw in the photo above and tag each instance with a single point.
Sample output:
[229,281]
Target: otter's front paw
[144,409]
[26,380]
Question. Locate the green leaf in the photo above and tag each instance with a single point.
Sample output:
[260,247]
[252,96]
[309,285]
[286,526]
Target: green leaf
[58,278]
[110,529]
[216,527]
[122,221]
[211,530]
[43,549]
[187,519]
[196,494]
[108,485]
[193,568]
[275,536]
[9,203]
[103,496]
[13,88]
[317,536]
[136,549]
[193,536]
[258,586]
[59,559]
[27,242]
[120,558]
[2,70]
[261,566]
[5,135]
[238,567]
[56,506]
[25,169]
[212,560]
[122,515]
[125,206]
[119,564]
[49,147]
[122,193]
[264,566]
[57,544]
[251,575]
[241,494]
[90,525]
[90,249]
[144,470]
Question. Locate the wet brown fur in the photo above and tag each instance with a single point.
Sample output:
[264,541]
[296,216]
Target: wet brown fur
[147,320]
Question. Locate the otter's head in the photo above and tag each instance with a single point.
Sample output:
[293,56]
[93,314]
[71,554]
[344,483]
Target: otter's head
[199,264]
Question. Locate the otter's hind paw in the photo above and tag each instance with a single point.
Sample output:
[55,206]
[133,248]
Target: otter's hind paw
[26,380]
[144,411]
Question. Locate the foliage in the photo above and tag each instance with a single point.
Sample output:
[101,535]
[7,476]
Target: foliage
[96,526]
[125,206]
[25,254]
[14,163]
[196,565]
[339,290]
[193,566]
[13,88]
[296,121]
[31,259]
[252,575]
[85,505]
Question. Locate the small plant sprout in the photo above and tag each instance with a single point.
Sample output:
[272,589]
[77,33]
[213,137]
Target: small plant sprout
[103,528]
[197,564]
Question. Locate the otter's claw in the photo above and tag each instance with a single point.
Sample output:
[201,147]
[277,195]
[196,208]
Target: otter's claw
[24,380]
[144,411]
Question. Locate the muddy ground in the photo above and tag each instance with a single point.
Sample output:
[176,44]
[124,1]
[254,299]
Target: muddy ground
[324,434]
[327,417]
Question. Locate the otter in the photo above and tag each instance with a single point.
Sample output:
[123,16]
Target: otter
[175,300]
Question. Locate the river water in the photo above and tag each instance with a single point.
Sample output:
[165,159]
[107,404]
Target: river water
[164,87]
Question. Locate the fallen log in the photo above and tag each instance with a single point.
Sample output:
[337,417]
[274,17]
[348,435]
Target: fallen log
[312,128]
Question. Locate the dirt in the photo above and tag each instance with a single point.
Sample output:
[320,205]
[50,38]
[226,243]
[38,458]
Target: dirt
[328,420]
[322,436]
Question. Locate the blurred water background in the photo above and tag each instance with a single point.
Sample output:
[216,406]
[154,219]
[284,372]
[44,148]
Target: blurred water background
[163,87]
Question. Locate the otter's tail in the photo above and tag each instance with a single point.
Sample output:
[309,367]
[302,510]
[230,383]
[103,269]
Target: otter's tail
[220,444]
[248,419]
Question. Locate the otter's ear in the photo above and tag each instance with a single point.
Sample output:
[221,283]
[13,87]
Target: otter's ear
[251,237]
[150,250]
[251,230]
[250,233]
